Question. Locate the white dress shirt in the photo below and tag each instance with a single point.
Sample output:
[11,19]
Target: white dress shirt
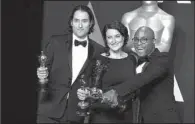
[79,56]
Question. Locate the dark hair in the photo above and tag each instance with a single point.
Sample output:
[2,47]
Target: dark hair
[119,27]
[85,9]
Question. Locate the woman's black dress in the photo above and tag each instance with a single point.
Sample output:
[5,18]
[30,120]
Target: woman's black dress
[119,70]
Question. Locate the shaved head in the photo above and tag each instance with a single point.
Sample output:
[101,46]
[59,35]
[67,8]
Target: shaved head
[144,41]
[144,31]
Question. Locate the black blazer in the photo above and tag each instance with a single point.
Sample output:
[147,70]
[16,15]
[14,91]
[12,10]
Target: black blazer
[59,53]
[156,84]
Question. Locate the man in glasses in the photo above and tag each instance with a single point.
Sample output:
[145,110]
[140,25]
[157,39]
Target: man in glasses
[153,78]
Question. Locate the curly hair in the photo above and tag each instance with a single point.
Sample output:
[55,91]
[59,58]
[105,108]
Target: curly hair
[117,25]
[84,9]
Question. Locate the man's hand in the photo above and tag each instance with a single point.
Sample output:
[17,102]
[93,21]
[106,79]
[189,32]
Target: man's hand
[110,97]
[83,93]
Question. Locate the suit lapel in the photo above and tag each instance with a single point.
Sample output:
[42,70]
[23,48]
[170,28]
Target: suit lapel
[145,66]
[69,51]
[90,56]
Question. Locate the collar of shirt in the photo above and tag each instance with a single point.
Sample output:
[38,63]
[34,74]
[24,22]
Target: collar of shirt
[74,37]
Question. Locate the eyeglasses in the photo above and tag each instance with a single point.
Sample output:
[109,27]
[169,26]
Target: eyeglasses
[143,40]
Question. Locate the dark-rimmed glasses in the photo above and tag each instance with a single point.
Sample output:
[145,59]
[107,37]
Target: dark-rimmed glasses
[143,40]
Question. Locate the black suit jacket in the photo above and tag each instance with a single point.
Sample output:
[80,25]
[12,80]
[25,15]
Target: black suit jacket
[156,84]
[59,53]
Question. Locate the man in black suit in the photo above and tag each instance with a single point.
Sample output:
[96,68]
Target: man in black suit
[68,56]
[154,78]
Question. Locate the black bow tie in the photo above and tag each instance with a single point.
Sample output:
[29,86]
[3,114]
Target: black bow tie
[143,59]
[83,43]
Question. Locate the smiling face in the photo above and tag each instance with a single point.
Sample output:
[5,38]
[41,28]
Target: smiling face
[114,40]
[81,24]
[144,41]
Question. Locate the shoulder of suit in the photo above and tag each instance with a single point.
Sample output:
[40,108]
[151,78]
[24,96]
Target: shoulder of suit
[57,39]
[164,55]
[60,36]
[158,53]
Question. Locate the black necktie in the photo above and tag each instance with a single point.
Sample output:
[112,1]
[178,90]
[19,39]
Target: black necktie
[83,43]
